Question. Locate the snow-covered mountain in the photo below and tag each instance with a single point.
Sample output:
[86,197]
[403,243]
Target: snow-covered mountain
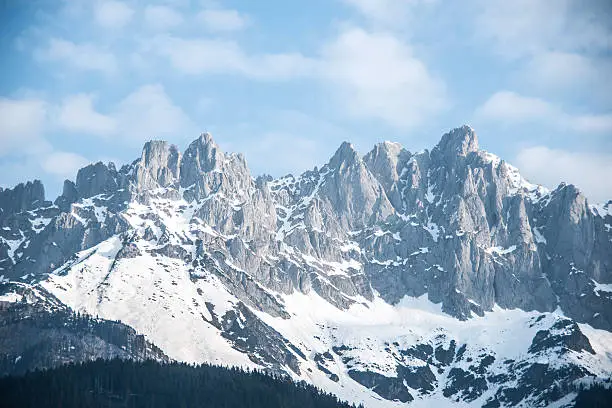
[438,277]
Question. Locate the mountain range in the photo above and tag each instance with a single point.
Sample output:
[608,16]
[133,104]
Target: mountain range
[440,277]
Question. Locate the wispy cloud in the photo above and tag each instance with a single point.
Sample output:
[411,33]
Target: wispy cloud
[112,14]
[373,75]
[77,114]
[88,57]
[22,122]
[558,45]
[378,76]
[161,17]
[589,171]
[25,151]
[528,27]
[149,113]
[62,164]
[388,13]
[222,20]
[200,56]
[146,113]
[514,109]
[507,106]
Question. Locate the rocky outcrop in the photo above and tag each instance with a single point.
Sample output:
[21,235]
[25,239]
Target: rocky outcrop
[456,222]
[22,197]
[158,166]
[39,332]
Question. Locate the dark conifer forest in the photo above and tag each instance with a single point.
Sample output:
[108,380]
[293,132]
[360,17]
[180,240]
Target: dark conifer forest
[120,383]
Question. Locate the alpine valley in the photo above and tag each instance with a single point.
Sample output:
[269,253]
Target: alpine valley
[437,278]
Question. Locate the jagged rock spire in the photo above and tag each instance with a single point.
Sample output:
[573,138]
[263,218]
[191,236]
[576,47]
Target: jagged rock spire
[158,166]
[203,155]
[346,154]
[458,142]
[22,197]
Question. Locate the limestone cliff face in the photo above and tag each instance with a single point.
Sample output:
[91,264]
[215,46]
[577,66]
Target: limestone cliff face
[456,223]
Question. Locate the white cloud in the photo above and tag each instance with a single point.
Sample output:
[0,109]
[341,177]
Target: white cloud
[219,56]
[62,164]
[112,14]
[22,122]
[162,17]
[386,12]
[558,45]
[23,147]
[592,123]
[199,56]
[379,77]
[77,114]
[590,172]
[290,152]
[575,74]
[26,126]
[511,108]
[374,75]
[222,20]
[149,113]
[284,141]
[507,106]
[81,56]
[146,113]
[554,69]
[527,27]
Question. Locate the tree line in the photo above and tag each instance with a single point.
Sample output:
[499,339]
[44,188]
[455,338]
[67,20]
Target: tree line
[130,384]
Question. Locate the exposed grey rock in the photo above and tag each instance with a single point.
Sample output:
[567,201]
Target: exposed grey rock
[158,166]
[40,332]
[96,179]
[455,222]
[564,334]
[387,387]
[22,197]
[263,344]
[539,383]
[202,156]
[69,195]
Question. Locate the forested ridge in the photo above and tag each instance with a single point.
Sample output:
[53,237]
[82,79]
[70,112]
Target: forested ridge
[42,335]
[120,383]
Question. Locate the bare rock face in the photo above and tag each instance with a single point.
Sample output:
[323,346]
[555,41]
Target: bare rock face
[41,333]
[455,224]
[158,166]
[202,156]
[22,197]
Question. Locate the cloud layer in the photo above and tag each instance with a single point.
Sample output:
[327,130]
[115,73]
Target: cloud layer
[589,171]
[127,71]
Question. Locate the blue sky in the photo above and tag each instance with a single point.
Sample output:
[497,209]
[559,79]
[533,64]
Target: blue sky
[285,82]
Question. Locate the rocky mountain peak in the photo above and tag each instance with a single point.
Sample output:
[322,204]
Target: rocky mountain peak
[386,161]
[455,231]
[96,178]
[458,142]
[69,195]
[345,155]
[202,156]
[158,166]
[22,197]
[206,138]
[386,154]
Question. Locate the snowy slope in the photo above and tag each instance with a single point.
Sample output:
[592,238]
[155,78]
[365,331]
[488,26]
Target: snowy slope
[158,296]
[436,278]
